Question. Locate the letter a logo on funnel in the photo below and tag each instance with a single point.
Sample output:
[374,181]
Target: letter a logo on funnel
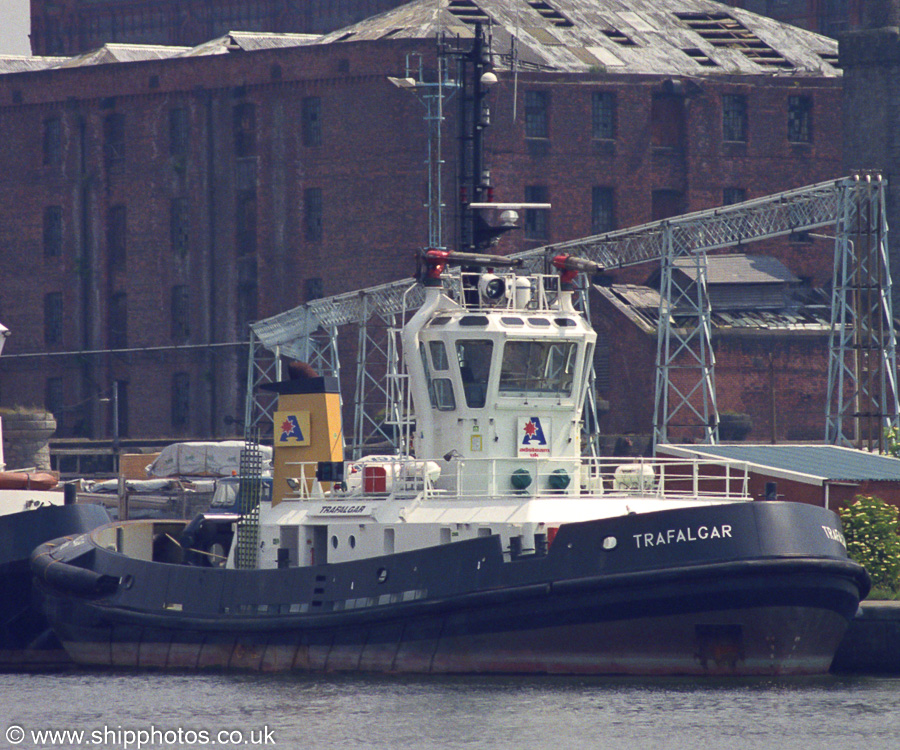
[290,429]
[534,433]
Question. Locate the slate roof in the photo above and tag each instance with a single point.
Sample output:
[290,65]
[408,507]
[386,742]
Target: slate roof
[120,53]
[824,462]
[659,37]
[22,64]
[685,37]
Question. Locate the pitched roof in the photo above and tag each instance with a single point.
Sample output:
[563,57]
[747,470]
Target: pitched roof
[662,37]
[686,37]
[738,268]
[22,64]
[120,53]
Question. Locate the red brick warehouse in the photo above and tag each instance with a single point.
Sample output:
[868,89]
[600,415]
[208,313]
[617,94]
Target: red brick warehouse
[156,200]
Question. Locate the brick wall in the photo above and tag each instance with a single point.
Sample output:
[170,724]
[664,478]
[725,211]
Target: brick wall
[250,252]
[70,27]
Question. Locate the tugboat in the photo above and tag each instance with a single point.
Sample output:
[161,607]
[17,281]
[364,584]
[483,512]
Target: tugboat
[32,510]
[488,544]
[494,548]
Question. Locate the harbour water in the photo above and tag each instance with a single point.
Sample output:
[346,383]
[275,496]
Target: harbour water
[158,711]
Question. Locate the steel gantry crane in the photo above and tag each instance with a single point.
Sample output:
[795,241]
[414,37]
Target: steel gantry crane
[862,390]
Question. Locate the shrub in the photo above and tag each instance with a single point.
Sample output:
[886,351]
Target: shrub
[871,531]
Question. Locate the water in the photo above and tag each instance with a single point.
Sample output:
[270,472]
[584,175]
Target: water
[299,712]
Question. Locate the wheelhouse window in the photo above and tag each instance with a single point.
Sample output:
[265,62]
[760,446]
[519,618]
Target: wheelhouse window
[475,369]
[440,390]
[538,368]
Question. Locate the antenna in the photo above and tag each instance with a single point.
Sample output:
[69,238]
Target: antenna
[514,59]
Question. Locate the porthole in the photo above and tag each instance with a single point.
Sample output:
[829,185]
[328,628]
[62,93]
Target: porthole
[352,541]
[382,575]
[128,581]
[334,542]
[609,542]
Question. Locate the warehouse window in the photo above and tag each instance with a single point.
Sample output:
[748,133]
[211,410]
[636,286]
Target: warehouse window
[53,318]
[602,217]
[178,226]
[53,399]
[603,115]
[666,203]
[313,214]
[52,141]
[537,224]
[800,119]
[114,138]
[244,126]
[732,195]
[52,231]
[312,121]
[537,104]
[246,223]
[117,326]
[314,289]
[667,121]
[734,117]
[178,132]
[181,309]
[181,399]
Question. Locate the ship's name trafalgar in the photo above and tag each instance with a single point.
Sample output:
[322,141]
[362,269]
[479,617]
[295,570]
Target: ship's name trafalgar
[675,536]
[344,510]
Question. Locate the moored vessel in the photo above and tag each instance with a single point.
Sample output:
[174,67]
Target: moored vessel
[491,545]
[33,509]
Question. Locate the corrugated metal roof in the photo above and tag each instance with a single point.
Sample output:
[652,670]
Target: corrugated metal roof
[827,462]
[687,37]
[739,268]
[642,304]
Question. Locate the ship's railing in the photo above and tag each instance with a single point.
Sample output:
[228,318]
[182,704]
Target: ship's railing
[669,478]
[473,478]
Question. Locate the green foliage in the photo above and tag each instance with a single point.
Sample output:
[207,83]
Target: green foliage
[892,442]
[871,530]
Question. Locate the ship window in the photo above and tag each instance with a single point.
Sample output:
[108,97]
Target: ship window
[440,390]
[440,321]
[442,395]
[565,322]
[538,322]
[439,355]
[475,368]
[538,368]
[473,320]
[513,321]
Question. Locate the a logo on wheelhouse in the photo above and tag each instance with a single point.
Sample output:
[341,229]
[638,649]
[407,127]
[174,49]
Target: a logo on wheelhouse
[534,437]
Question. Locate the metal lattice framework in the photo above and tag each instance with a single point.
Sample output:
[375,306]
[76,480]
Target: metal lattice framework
[848,204]
[862,368]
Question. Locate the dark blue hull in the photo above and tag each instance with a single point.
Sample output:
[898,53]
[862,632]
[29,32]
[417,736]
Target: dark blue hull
[751,588]
[26,640]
